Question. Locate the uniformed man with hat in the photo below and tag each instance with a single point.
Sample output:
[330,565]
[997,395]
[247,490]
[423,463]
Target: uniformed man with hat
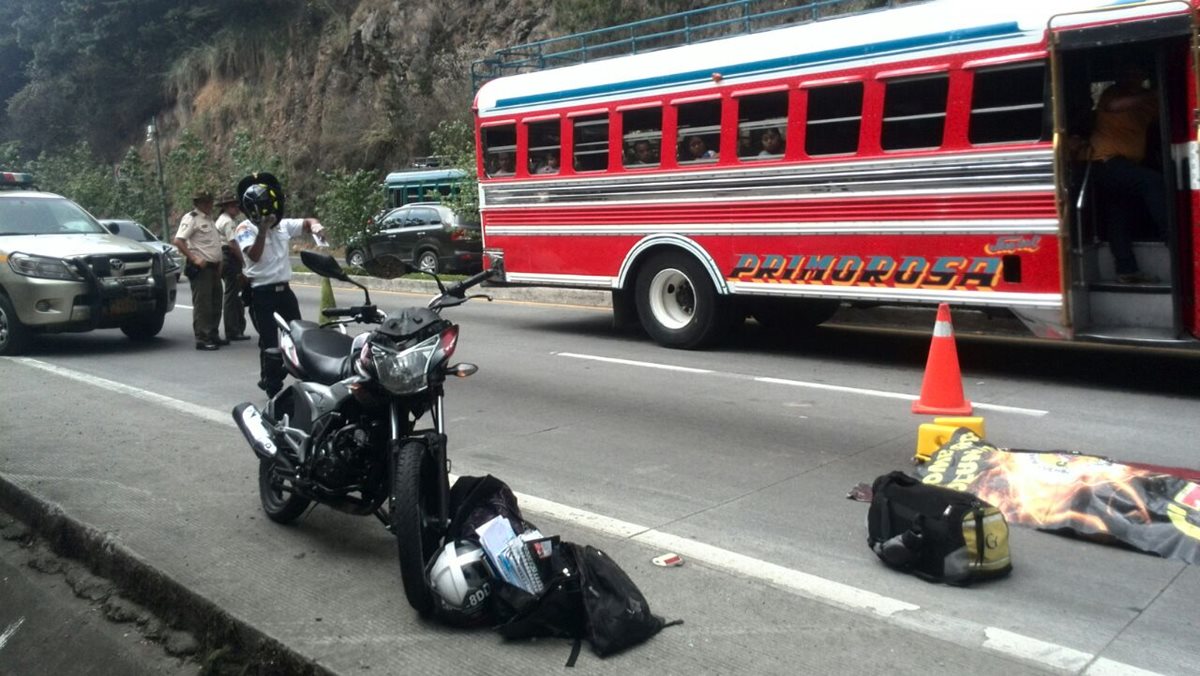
[200,243]
[232,309]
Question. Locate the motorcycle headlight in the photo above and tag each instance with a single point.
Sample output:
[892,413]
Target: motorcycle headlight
[42,266]
[407,371]
[404,372]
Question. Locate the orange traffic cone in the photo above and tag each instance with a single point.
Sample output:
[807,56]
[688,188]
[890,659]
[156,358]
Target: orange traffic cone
[941,392]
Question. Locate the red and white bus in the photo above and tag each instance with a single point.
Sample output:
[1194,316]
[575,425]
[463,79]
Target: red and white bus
[926,153]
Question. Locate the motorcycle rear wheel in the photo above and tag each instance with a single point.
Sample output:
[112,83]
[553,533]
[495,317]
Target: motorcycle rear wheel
[280,505]
[414,515]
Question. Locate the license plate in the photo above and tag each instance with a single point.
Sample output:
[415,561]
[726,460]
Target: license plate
[122,306]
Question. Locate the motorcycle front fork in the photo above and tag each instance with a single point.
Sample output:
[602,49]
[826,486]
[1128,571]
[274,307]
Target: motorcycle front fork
[398,420]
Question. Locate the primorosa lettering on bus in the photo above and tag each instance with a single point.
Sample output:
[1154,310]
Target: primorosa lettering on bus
[981,272]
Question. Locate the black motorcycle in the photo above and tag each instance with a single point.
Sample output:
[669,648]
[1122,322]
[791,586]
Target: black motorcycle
[345,434]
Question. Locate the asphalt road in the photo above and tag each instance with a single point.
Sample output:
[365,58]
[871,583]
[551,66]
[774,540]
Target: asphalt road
[740,459]
[56,618]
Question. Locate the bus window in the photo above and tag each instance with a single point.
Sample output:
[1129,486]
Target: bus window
[762,126]
[699,131]
[591,143]
[834,118]
[643,137]
[421,185]
[914,112]
[1008,104]
[544,147]
[500,150]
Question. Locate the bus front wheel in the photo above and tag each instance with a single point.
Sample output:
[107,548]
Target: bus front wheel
[678,305]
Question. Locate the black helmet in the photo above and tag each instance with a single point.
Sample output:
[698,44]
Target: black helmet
[261,196]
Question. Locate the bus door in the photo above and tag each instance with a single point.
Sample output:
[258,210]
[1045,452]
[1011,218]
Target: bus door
[1125,197]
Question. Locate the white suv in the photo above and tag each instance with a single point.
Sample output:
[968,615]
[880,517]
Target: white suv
[60,270]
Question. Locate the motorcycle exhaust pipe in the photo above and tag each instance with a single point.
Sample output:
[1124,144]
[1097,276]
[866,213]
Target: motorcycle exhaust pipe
[250,422]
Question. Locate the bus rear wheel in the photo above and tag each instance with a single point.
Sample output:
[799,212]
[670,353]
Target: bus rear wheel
[678,304]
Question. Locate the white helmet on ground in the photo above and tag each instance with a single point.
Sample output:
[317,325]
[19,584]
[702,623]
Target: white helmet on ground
[459,578]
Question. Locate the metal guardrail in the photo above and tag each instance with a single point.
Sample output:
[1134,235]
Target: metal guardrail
[683,28]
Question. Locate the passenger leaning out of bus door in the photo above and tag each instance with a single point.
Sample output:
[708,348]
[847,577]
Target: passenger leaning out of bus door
[1131,192]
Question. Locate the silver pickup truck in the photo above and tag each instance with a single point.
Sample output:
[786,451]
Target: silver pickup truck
[62,271]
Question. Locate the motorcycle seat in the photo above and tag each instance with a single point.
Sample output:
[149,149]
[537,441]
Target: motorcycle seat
[324,353]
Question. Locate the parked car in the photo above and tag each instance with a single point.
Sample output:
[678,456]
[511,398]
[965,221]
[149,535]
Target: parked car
[429,235]
[60,270]
[140,233]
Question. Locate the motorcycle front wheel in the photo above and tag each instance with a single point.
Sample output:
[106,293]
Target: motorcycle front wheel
[280,503]
[414,517]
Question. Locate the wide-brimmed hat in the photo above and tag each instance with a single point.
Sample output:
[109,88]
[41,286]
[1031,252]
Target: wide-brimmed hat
[202,196]
[227,198]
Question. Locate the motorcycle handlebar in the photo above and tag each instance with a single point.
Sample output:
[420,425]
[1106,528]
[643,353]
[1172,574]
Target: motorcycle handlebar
[459,289]
[366,314]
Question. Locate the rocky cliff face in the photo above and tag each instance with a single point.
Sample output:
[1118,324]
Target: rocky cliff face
[359,89]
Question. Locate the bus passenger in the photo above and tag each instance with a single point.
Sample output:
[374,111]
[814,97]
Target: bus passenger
[696,150]
[550,166]
[643,153]
[1123,115]
[507,165]
[772,143]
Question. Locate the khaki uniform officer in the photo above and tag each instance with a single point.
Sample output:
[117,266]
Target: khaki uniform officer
[231,269]
[200,243]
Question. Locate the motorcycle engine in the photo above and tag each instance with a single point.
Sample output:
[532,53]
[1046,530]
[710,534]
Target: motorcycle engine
[344,458]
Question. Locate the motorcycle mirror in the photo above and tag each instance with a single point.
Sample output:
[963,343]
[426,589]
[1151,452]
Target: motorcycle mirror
[323,264]
[387,266]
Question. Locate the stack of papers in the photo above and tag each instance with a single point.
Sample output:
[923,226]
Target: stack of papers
[508,556]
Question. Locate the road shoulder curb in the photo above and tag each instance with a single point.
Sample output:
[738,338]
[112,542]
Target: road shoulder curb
[220,633]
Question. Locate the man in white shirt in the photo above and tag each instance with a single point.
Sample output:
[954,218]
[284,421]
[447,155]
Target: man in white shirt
[264,239]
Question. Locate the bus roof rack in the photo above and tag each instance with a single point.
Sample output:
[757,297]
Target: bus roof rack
[672,30]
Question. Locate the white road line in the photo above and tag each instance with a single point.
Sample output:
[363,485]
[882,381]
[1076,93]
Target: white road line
[629,362]
[866,392]
[829,592]
[145,395]
[185,307]
[12,629]
[1035,650]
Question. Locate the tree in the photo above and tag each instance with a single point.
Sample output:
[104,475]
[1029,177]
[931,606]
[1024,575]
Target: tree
[454,142]
[192,168]
[75,173]
[247,156]
[137,195]
[348,204]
